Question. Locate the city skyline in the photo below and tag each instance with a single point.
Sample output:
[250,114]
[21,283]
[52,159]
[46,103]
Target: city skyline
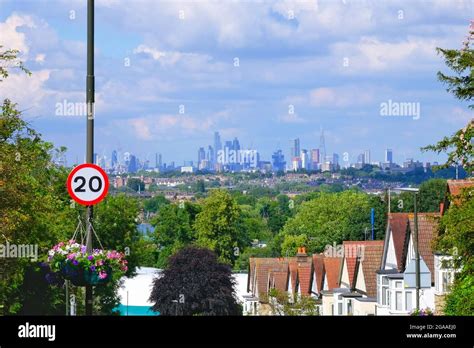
[167,82]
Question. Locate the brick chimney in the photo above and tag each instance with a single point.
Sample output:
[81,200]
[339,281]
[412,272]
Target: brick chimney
[301,256]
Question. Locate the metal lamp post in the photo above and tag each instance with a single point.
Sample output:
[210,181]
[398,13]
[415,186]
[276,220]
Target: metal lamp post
[90,91]
[415,191]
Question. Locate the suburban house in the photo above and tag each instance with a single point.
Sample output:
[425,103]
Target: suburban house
[356,294]
[396,278]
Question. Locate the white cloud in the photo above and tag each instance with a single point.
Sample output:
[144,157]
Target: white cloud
[11,38]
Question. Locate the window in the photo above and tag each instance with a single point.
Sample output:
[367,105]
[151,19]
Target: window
[332,309]
[408,301]
[398,284]
[349,307]
[398,300]
[339,308]
[385,293]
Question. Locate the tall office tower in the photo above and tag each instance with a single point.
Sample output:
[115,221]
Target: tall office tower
[388,156]
[367,156]
[114,159]
[236,144]
[314,159]
[304,159]
[96,158]
[278,161]
[133,164]
[201,155]
[361,159]
[296,147]
[160,161]
[210,155]
[335,160]
[217,143]
[322,145]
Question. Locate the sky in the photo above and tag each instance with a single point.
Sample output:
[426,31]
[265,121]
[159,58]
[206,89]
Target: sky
[171,73]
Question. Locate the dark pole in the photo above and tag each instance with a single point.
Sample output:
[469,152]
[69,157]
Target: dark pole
[90,91]
[417,258]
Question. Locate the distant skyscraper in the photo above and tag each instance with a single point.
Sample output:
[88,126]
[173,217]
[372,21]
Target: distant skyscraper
[114,159]
[335,160]
[210,155]
[296,148]
[314,161]
[304,159]
[367,156]
[236,144]
[388,156]
[278,161]
[322,144]
[217,143]
[201,155]
[361,159]
[133,164]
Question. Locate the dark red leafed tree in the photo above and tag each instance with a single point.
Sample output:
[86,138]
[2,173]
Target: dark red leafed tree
[195,283]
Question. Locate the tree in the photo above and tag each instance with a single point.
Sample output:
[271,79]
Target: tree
[33,205]
[456,238]
[136,184]
[173,230]
[284,303]
[334,217]
[216,226]
[154,204]
[195,283]
[459,147]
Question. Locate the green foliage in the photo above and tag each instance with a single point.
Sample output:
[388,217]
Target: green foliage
[136,184]
[242,262]
[217,225]
[459,147]
[283,303]
[173,230]
[154,204]
[334,217]
[291,243]
[456,238]
[462,63]
[431,194]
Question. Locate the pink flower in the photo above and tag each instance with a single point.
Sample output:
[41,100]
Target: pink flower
[71,257]
[102,275]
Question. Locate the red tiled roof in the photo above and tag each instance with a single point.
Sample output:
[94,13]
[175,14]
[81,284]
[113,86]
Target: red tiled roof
[370,263]
[332,266]
[456,186]
[350,255]
[318,267]
[293,266]
[304,276]
[427,231]
[398,223]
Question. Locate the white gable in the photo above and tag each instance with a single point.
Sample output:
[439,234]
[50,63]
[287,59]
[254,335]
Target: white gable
[360,281]
[391,260]
[345,275]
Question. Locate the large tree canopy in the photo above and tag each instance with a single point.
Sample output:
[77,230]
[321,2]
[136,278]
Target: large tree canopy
[334,217]
[217,226]
[195,283]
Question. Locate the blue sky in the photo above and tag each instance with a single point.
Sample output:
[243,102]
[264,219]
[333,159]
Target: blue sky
[332,62]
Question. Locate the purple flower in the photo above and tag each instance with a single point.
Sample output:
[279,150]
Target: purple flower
[93,268]
[90,257]
[75,262]
[83,249]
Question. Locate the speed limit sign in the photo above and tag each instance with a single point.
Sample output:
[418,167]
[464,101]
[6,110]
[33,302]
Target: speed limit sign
[87,184]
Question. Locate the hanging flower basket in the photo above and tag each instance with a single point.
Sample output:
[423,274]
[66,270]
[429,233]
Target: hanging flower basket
[71,261]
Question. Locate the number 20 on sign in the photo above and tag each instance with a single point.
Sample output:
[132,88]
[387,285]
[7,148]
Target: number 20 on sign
[87,184]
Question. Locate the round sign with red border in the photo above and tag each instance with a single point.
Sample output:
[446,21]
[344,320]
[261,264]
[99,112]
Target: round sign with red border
[87,184]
